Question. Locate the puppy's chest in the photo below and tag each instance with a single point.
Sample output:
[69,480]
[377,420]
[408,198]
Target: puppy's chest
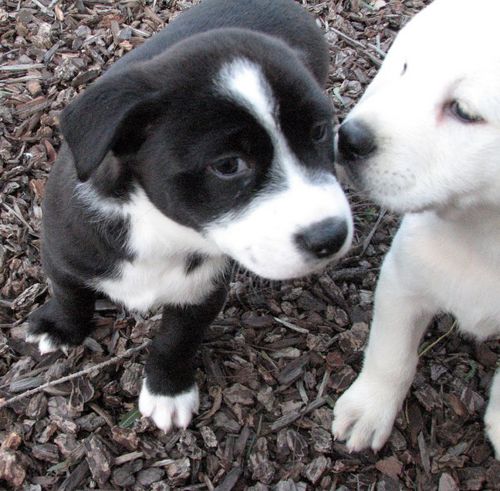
[474,299]
[183,279]
[463,278]
[171,263]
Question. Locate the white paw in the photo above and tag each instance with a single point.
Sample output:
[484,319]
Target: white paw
[365,413]
[492,422]
[46,344]
[169,411]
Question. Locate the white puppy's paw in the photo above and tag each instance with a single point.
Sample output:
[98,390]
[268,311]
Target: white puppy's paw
[365,413]
[169,411]
[46,344]
[492,422]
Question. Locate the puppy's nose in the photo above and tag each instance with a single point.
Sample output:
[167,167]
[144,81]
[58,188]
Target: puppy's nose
[356,141]
[324,238]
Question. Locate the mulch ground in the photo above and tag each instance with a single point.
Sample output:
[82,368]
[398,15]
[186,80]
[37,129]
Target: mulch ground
[279,354]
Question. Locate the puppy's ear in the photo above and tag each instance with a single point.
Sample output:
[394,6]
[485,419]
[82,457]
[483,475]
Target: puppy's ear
[107,113]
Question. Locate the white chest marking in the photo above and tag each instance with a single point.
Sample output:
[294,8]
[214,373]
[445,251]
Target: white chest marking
[143,284]
[161,248]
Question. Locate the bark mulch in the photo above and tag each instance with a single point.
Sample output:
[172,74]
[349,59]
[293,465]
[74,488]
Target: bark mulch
[277,357]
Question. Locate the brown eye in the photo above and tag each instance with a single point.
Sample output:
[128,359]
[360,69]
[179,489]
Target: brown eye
[464,113]
[319,132]
[229,167]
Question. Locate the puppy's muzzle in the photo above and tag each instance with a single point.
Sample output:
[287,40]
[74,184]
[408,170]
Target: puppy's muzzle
[323,239]
[356,141]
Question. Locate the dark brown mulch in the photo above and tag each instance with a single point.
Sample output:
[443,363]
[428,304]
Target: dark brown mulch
[277,357]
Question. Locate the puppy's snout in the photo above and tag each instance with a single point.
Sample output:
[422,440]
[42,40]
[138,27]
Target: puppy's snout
[323,239]
[356,141]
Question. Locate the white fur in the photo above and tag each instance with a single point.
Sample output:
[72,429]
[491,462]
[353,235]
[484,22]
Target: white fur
[492,416]
[160,246]
[166,411]
[244,81]
[272,222]
[426,158]
[262,238]
[448,257]
[45,344]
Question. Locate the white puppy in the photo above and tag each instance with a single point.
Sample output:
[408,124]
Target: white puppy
[424,140]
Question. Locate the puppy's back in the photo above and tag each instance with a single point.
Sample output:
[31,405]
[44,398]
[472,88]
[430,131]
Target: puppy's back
[284,19]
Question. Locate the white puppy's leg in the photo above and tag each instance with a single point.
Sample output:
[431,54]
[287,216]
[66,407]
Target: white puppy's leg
[365,414]
[492,416]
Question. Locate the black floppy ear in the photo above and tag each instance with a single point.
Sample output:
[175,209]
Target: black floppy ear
[97,119]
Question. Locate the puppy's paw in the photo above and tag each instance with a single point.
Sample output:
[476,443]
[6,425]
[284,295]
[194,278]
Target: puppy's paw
[364,415]
[492,422]
[169,411]
[53,331]
[46,343]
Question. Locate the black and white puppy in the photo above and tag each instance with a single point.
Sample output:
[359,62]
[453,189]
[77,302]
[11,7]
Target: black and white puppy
[211,141]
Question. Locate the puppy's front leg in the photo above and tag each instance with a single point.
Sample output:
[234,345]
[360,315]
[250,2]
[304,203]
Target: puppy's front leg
[365,414]
[169,394]
[65,320]
[492,416]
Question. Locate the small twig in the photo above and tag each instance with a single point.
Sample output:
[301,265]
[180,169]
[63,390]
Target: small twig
[289,418]
[20,68]
[291,326]
[362,47]
[140,33]
[438,340]
[17,80]
[19,217]
[72,376]
[43,8]
[129,457]
[357,44]
[369,237]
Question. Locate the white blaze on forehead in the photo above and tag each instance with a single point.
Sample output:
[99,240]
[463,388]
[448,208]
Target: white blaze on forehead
[244,82]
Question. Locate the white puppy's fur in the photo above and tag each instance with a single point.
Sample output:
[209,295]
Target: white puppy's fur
[444,173]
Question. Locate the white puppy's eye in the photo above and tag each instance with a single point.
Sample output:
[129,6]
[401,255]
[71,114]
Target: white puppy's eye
[229,167]
[405,67]
[463,112]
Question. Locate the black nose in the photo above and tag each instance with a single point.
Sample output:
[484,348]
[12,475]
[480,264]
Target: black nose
[324,238]
[356,141]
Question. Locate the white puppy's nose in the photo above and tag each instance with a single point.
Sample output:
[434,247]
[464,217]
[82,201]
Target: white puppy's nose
[356,141]
[323,239]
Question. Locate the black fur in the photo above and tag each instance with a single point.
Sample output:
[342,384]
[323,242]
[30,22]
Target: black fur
[193,261]
[169,367]
[153,120]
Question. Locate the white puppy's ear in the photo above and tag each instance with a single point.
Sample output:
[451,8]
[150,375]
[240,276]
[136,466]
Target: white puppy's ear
[112,114]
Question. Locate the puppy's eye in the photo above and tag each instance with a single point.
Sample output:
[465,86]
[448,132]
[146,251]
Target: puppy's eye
[464,113]
[319,132]
[405,67]
[229,167]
